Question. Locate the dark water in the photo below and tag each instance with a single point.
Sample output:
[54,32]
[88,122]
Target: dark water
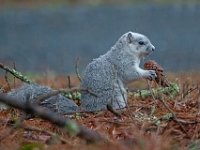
[52,38]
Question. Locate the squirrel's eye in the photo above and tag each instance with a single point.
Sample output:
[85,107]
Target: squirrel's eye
[141,42]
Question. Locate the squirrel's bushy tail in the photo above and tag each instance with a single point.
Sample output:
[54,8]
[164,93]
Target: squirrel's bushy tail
[57,103]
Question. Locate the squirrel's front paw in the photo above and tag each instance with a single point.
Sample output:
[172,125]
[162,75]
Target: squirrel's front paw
[151,74]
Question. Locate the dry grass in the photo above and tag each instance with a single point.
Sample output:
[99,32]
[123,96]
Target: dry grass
[137,129]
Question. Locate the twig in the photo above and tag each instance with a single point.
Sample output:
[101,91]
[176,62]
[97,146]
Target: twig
[17,124]
[172,90]
[174,117]
[188,122]
[32,128]
[6,79]
[6,134]
[69,82]
[77,71]
[126,123]
[56,92]
[46,96]
[69,126]
[14,65]
[190,90]
[15,73]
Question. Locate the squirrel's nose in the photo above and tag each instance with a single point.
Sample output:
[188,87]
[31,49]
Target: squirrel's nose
[153,48]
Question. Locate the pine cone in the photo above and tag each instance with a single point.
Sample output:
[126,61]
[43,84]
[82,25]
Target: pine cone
[161,78]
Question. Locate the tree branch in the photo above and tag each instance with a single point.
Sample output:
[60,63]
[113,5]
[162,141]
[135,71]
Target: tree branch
[15,73]
[68,125]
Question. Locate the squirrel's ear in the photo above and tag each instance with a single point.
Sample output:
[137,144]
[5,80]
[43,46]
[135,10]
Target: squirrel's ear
[130,37]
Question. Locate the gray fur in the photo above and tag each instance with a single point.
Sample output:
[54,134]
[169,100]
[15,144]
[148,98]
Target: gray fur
[56,103]
[107,75]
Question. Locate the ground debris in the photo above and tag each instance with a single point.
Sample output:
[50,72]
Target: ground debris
[146,125]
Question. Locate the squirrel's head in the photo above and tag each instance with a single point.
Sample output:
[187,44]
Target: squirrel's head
[136,44]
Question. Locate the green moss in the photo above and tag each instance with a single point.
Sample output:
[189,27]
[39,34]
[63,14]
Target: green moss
[32,146]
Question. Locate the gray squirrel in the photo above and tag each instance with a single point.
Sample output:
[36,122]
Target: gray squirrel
[107,75]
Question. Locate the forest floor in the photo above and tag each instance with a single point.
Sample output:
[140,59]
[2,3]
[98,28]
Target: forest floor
[146,125]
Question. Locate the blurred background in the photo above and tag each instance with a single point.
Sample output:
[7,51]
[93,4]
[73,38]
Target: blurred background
[50,35]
